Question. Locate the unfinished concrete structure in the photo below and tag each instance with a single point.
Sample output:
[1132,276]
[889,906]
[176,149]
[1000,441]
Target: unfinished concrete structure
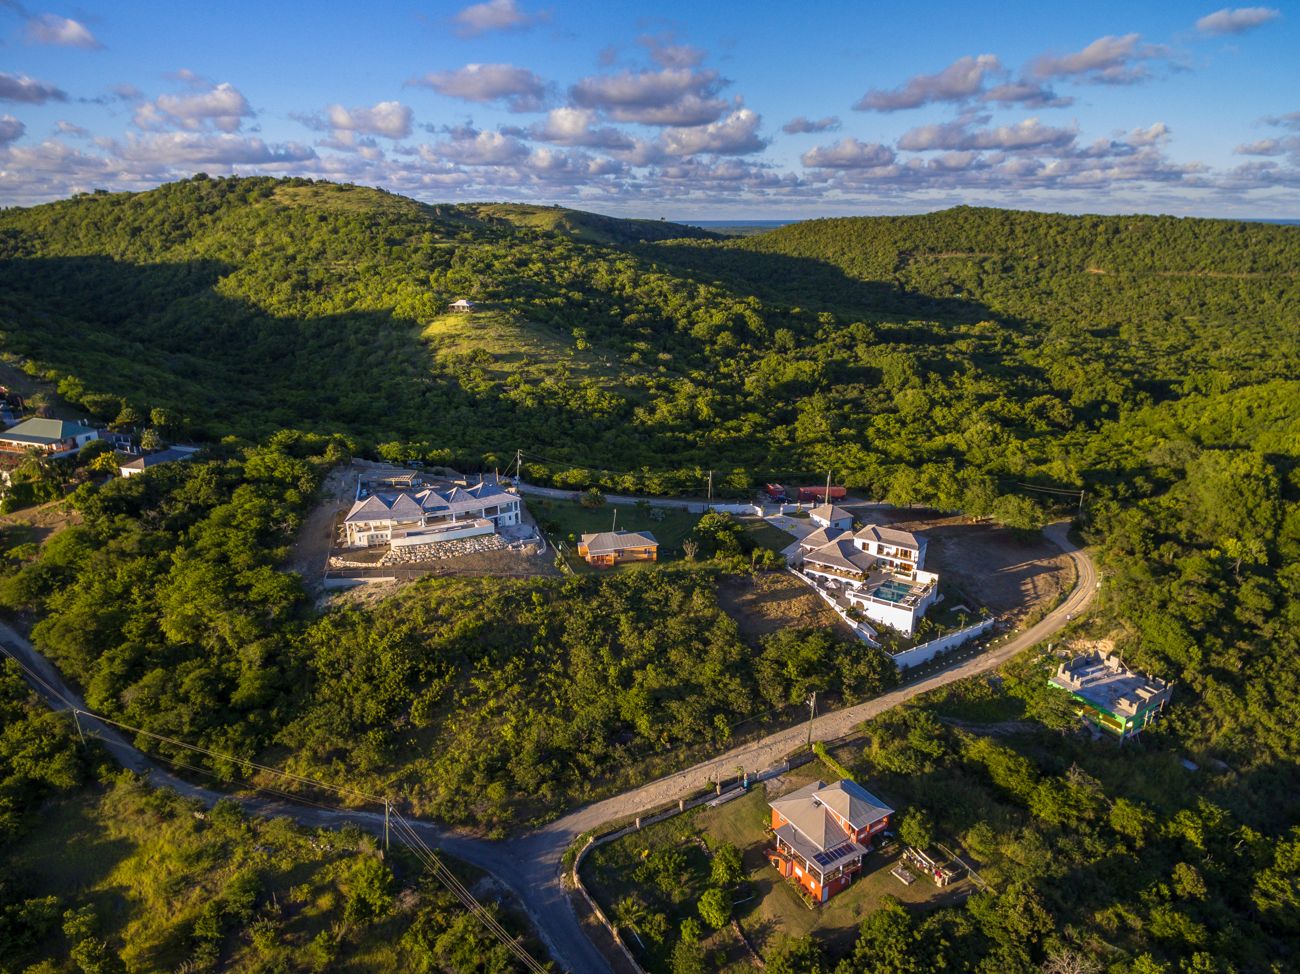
[1112,696]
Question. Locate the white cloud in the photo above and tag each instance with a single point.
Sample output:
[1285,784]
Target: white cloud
[1111,60]
[667,53]
[10,129]
[671,96]
[1262,147]
[472,148]
[849,153]
[64,127]
[1026,94]
[205,149]
[1291,120]
[800,125]
[1156,134]
[222,107]
[958,135]
[736,135]
[61,31]
[579,127]
[1236,21]
[480,18]
[21,88]
[388,118]
[962,79]
[520,89]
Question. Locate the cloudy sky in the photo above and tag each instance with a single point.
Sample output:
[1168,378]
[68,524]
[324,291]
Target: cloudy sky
[680,109]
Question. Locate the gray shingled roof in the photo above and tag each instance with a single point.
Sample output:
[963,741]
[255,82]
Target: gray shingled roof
[805,809]
[844,555]
[612,542]
[410,505]
[162,456]
[821,537]
[875,532]
[829,512]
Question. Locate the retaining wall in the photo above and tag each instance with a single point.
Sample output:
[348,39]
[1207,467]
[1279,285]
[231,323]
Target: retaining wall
[928,651]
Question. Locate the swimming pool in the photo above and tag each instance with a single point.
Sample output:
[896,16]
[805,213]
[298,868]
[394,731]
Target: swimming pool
[893,591]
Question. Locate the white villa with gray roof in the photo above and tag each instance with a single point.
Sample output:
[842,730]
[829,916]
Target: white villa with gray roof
[427,515]
[875,569]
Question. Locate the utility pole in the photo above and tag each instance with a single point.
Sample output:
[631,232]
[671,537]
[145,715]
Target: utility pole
[519,465]
[710,504]
[812,710]
[76,719]
[826,498]
[614,526]
[1080,501]
[386,826]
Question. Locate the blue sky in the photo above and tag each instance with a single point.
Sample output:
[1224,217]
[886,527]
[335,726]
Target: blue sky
[677,109]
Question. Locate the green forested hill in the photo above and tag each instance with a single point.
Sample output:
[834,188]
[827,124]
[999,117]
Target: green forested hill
[947,359]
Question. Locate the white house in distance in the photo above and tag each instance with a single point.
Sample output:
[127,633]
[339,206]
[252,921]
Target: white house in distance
[877,570]
[427,515]
[53,437]
[830,516]
[140,464]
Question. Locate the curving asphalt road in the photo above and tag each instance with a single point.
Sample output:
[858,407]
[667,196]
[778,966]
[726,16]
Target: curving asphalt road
[530,865]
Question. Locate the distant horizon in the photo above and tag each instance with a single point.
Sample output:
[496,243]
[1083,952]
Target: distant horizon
[1109,107]
[786,221]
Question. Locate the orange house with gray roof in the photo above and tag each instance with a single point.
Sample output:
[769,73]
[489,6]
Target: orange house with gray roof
[823,832]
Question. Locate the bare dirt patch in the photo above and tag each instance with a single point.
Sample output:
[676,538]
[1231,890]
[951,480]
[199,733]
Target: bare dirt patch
[39,524]
[1009,575]
[311,550]
[773,601]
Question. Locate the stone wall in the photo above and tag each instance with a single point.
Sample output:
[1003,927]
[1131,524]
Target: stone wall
[440,550]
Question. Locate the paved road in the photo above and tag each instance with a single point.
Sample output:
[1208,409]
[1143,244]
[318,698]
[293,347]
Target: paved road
[696,505]
[530,865]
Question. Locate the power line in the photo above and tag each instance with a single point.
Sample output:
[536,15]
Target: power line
[467,899]
[1051,490]
[413,841]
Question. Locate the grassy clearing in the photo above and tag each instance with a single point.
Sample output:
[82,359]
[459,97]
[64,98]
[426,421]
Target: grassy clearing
[502,346]
[567,521]
[151,866]
[765,534]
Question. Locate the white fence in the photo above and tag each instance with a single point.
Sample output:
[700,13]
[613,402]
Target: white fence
[928,651]
[860,629]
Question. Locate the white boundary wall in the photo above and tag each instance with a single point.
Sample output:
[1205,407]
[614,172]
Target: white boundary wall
[928,651]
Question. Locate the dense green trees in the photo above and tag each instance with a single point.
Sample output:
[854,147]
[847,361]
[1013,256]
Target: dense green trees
[963,359]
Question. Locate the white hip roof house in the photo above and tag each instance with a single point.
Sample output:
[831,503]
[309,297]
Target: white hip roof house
[830,516]
[387,516]
[877,570]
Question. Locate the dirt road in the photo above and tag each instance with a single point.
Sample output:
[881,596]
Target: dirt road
[530,866]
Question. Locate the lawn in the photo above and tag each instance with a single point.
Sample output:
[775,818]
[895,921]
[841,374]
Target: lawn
[766,905]
[567,521]
[765,534]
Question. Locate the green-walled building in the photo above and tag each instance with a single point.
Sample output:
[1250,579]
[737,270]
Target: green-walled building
[1111,695]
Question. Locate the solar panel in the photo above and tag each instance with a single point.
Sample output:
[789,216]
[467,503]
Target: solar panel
[830,855]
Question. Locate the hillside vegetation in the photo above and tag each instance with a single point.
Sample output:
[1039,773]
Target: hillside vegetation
[959,360]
